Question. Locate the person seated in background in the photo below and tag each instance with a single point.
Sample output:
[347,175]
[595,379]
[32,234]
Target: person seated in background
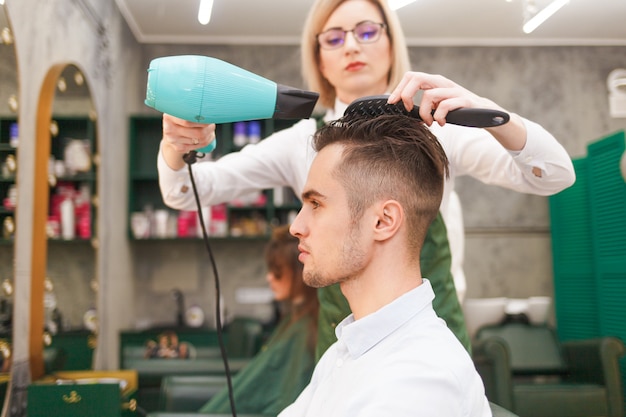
[279,372]
[373,189]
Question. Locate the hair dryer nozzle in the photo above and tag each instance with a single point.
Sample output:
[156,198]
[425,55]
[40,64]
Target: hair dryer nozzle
[292,103]
[206,90]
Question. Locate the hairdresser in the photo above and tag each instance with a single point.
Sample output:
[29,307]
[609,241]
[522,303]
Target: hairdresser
[351,49]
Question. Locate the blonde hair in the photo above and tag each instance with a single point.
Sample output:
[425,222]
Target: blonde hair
[310,55]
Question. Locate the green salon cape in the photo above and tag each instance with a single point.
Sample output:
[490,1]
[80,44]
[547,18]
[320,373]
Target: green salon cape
[435,262]
[275,376]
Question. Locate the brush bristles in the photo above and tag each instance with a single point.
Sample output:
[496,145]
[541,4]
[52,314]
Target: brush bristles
[376,107]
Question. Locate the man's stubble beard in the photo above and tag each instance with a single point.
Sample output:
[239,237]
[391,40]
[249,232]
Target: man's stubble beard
[351,262]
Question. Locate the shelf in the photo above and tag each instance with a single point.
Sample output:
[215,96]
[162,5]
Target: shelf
[82,177]
[69,128]
[145,133]
[5,147]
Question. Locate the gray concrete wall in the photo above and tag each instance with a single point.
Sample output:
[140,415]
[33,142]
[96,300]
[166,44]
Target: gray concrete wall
[508,249]
[93,36]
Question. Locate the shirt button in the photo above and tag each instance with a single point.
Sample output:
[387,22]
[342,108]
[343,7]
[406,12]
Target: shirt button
[333,325]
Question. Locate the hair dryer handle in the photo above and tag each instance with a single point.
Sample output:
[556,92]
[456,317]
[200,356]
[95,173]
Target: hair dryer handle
[209,148]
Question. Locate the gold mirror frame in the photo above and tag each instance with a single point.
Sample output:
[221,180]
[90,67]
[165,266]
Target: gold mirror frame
[54,83]
[40,216]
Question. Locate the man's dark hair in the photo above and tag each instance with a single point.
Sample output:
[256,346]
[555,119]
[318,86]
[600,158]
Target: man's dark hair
[389,157]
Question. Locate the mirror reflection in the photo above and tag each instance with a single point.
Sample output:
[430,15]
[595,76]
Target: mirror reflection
[9,140]
[70,322]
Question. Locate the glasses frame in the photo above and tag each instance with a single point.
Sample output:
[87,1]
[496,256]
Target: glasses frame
[383,27]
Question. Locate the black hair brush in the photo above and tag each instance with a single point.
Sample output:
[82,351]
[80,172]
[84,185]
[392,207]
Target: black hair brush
[377,105]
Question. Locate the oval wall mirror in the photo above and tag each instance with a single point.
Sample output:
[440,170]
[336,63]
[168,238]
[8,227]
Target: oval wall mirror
[9,140]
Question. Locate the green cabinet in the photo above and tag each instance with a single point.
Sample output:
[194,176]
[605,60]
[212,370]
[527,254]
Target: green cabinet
[250,219]
[96,400]
[79,394]
[77,348]
[242,337]
[205,350]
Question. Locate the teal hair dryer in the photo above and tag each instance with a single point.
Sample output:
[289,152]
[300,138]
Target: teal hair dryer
[207,90]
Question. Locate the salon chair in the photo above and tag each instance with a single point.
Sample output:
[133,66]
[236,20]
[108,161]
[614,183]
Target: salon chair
[189,393]
[525,369]
[245,337]
[498,411]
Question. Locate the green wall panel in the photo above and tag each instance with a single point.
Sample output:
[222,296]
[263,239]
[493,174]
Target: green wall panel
[608,221]
[574,289]
[588,224]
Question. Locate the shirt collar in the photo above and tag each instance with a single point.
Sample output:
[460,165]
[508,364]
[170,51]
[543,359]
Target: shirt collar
[361,335]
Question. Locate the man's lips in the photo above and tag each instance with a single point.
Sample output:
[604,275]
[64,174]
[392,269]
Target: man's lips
[303,253]
[355,66]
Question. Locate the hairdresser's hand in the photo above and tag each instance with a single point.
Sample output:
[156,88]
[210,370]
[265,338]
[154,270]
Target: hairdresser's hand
[442,95]
[181,136]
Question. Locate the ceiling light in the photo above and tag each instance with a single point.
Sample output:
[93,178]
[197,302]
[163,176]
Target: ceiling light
[396,4]
[532,23]
[204,12]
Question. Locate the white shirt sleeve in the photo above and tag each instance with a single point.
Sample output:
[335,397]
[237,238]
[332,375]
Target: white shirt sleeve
[543,167]
[282,159]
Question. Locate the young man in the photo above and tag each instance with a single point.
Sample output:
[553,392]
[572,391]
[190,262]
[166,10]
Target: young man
[372,191]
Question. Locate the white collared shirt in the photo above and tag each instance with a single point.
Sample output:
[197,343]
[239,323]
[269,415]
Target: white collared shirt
[399,361]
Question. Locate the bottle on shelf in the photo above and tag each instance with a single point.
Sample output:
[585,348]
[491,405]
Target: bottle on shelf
[14,136]
[68,219]
[254,131]
[240,136]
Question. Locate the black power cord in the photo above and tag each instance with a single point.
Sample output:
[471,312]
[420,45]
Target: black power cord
[190,158]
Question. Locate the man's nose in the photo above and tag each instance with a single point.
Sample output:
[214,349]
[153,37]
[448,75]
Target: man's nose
[296,227]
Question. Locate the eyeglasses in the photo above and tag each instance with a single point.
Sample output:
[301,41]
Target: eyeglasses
[364,32]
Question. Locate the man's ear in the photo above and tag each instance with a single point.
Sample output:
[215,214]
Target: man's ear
[390,216]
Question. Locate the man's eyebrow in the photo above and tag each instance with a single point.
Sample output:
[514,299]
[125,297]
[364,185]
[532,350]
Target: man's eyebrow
[310,194]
